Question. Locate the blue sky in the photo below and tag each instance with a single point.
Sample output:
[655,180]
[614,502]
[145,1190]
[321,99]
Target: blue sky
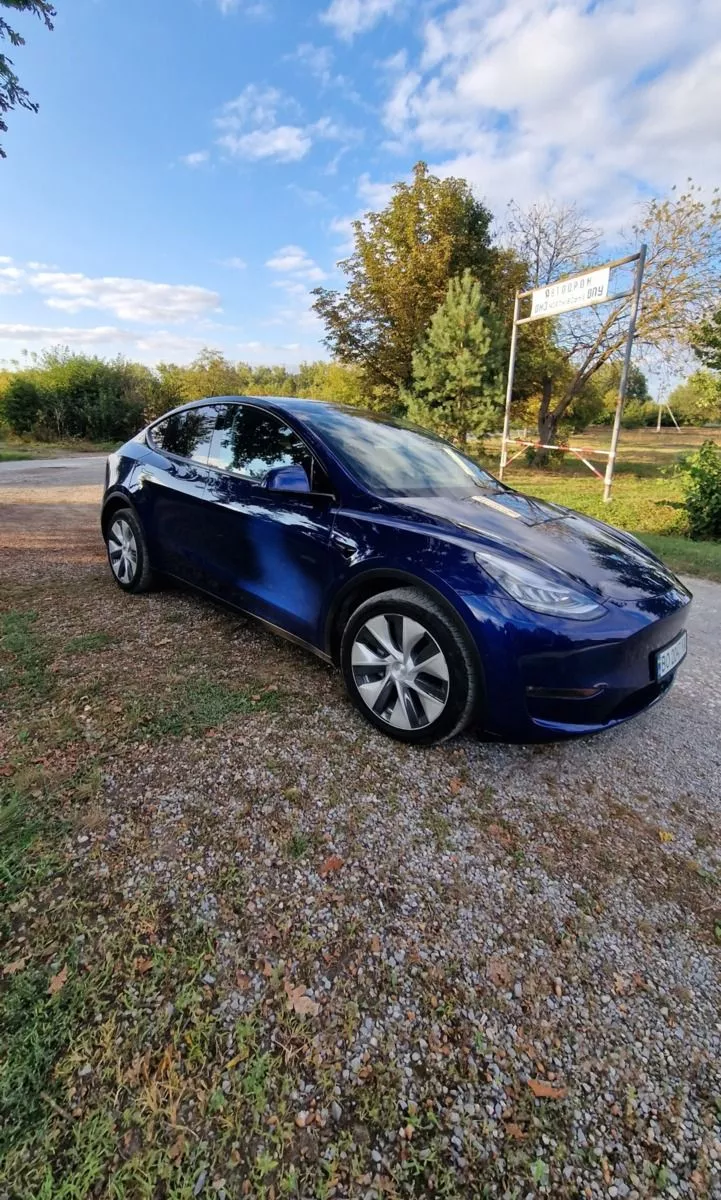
[195,164]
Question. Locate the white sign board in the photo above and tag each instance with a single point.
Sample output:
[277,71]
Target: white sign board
[577,292]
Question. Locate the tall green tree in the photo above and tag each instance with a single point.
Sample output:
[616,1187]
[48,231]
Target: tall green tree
[12,95]
[697,401]
[430,231]
[706,341]
[458,369]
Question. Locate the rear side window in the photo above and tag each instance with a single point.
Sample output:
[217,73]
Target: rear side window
[187,434]
[251,443]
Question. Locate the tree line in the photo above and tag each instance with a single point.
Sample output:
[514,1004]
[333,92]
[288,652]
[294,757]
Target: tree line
[60,395]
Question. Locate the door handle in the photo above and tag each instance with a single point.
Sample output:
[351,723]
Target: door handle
[346,545]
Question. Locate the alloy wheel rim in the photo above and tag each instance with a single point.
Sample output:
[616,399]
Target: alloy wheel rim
[122,551]
[400,671]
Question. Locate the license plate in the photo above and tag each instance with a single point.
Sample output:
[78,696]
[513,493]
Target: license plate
[669,658]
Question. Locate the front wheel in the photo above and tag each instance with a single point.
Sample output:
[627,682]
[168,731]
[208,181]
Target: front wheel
[409,667]
[128,552]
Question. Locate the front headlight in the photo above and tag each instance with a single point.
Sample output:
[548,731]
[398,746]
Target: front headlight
[536,592]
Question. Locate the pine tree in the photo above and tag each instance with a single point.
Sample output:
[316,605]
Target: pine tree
[457,371]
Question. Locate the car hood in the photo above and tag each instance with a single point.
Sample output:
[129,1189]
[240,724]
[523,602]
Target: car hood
[605,559]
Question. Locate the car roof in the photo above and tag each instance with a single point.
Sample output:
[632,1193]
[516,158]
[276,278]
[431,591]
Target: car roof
[291,403]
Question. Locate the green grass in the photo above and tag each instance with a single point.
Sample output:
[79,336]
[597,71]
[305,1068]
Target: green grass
[88,641]
[686,557]
[646,501]
[199,706]
[19,449]
[23,658]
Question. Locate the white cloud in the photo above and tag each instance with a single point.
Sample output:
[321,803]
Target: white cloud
[284,143]
[196,159]
[234,263]
[67,335]
[592,102]
[349,17]
[317,59]
[4,258]
[374,195]
[111,339]
[256,105]
[288,354]
[127,299]
[309,196]
[248,9]
[293,260]
[251,129]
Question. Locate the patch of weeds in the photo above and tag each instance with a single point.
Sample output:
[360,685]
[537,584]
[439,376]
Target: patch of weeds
[200,706]
[23,859]
[298,845]
[35,1029]
[29,659]
[439,825]
[540,1173]
[88,641]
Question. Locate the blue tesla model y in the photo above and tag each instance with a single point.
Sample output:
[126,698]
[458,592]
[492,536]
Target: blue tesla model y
[444,597]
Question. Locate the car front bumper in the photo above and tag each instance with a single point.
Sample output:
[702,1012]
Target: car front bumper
[546,680]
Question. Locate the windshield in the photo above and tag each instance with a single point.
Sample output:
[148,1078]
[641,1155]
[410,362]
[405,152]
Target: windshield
[394,458]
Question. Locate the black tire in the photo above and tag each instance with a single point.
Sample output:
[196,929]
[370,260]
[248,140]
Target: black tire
[462,692]
[140,577]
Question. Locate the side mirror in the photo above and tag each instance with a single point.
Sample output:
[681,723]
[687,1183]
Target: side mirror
[287,479]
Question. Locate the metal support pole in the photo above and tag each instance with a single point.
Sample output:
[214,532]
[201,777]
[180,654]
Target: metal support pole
[509,388]
[635,303]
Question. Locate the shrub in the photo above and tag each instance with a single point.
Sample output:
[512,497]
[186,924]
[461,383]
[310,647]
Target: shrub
[21,404]
[702,487]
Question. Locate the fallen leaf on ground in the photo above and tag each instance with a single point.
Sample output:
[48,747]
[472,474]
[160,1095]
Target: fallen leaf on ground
[143,965]
[13,967]
[299,1002]
[502,835]
[242,980]
[499,972]
[455,786]
[547,1091]
[515,1131]
[375,944]
[177,1147]
[334,863]
[58,981]
[665,836]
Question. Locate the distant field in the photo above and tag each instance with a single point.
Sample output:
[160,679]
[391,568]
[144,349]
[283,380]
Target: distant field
[638,447]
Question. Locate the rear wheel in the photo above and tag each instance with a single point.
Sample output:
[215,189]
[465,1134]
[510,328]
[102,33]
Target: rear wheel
[128,552]
[409,667]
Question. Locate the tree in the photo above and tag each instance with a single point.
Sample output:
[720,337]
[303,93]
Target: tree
[697,401]
[12,95]
[552,239]
[430,231]
[683,269]
[331,381]
[458,370]
[706,341]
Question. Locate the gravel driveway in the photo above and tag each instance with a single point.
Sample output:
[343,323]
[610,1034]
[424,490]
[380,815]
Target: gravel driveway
[505,959]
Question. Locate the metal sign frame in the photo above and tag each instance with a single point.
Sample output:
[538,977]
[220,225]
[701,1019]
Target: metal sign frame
[639,258]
